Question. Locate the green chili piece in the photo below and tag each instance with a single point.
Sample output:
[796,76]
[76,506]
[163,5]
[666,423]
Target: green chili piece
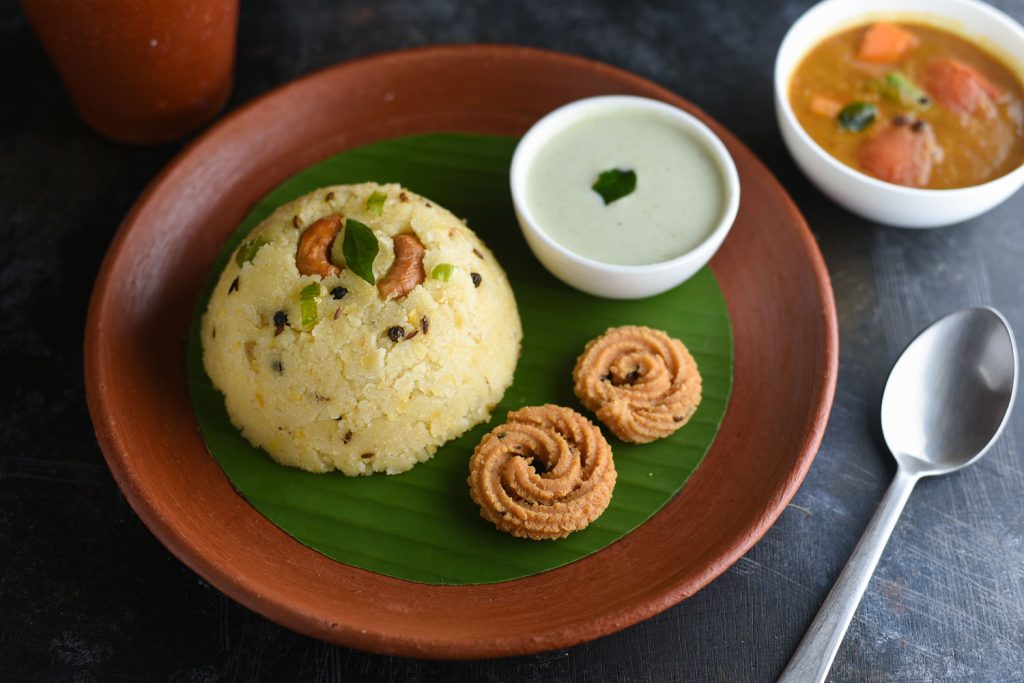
[442,272]
[247,252]
[375,204]
[337,255]
[308,304]
[898,88]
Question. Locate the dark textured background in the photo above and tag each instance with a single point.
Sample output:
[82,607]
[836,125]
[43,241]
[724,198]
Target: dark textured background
[86,592]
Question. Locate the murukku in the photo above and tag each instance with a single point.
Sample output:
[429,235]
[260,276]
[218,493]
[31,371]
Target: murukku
[641,383]
[546,472]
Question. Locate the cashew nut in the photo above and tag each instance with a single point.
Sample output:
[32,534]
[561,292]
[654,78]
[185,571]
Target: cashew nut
[315,247]
[406,271]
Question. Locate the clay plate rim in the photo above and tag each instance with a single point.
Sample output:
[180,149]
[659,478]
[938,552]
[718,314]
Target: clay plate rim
[138,399]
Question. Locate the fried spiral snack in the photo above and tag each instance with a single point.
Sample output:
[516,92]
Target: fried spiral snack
[545,473]
[641,383]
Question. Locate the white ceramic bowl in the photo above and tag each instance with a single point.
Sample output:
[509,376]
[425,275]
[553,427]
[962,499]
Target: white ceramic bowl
[605,279]
[860,193]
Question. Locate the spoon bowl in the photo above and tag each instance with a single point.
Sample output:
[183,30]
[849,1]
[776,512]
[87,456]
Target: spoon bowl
[950,393]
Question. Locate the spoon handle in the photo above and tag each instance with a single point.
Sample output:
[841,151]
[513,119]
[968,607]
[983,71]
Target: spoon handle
[813,658]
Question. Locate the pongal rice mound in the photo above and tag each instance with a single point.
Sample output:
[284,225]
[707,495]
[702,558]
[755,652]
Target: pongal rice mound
[332,358]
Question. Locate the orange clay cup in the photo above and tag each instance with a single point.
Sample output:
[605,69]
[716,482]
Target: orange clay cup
[141,71]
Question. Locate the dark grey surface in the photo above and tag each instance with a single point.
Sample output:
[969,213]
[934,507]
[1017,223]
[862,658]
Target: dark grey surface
[86,592]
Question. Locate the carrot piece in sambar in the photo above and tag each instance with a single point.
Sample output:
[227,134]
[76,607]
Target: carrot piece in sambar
[884,43]
[825,106]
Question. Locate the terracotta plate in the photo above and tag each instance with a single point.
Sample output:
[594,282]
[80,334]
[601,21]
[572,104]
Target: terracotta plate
[769,268]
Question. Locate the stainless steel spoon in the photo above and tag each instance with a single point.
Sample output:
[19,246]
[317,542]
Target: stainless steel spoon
[946,402]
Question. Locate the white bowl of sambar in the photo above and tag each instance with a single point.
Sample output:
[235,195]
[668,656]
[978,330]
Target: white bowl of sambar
[906,112]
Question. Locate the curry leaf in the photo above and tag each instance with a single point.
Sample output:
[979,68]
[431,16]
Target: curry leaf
[614,184]
[360,248]
[857,116]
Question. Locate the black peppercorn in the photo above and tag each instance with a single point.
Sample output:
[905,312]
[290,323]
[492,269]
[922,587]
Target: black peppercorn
[475,277]
[396,333]
[339,292]
[280,322]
